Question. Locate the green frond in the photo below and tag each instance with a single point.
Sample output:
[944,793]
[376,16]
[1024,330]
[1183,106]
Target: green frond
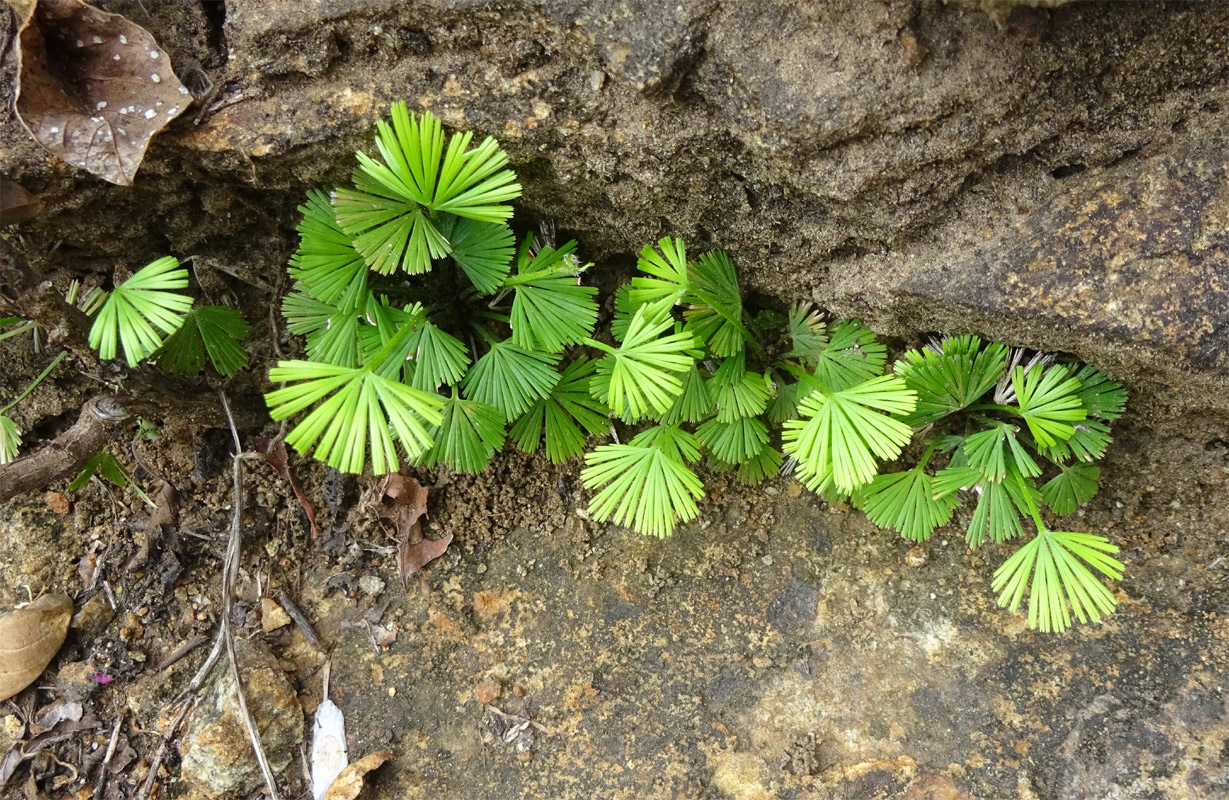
[808,334]
[10,440]
[483,250]
[993,450]
[351,406]
[647,482]
[469,435]
[393,209]
[715,305]
[851,356]
[1100,397]
[568,403]
[641,377]
[840,435]
[550,309]
[737,391]
[1071,488]
[666,271]
[216,330]
[735,441]
[139,308]
[326,263]
[382,323]
[1088,441]
[439,357]
[695,403]
[906,502]
[947,482]
[511,378]
[1000,509]
[625,310]
[1058,562]
[751,471]
[1049,402]
[952,377]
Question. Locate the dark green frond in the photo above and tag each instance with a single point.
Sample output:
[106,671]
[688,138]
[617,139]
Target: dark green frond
[469,435]
[738,391]
[808,334]
[10,440]
[952,377]
[483,250]
[734,441]
[511,378]
[715,305]
[1071,488]
[439,358]
[326,263]
[695,403]
[1100,397]
[906,502]
[550,309]
[569,403]
[1000,508]
[216,330]
[851,357]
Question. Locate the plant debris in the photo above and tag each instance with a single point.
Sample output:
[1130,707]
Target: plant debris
[350,782]
[30,636]
[403,502]
[16,203]
[276,458]
[94,88]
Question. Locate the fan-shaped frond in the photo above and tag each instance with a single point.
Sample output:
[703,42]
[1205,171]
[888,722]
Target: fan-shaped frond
[808,334]
[550,309]
[134,309]
[10,440]
[469,435]
[666,271]
[511,378]
[641,376]
[1071,488]
[483,250]
[840,435]
[1059,562]
[734,441]
[737,391]
[568,403]
[1049,401]
[647,482]
[326,263]
[695,403]
[715,314]
[952,377]
[993,450]
[851,356]
[906,502]
[216,330]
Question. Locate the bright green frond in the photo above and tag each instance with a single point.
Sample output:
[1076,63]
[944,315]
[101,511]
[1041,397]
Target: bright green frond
[906,502]
[326,263]
[1000,510]
[1087,442]
[470,434]
[842,433]
[737,391]
[352,406]
[1071,488]
[483,250]
[641,377]
[140,310]
[735,441]
[851,356]
[511,378]
[1049,401]
[715,305]
[666,271]
[952,377]
[550,309]
[647,483]
[10,440]
[215,330]
[1058,562]
[569,403]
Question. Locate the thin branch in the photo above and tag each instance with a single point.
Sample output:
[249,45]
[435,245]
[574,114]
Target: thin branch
[67,453]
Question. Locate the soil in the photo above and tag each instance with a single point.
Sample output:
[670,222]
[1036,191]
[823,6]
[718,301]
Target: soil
[778,647]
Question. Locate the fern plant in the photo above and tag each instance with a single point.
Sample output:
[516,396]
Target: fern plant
[431,337]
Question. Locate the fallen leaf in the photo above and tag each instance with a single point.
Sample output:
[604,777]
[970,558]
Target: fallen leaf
[277,460]
[17,204]
[94,88]
[350,782]
[29,637]
[413,557]
[54,715]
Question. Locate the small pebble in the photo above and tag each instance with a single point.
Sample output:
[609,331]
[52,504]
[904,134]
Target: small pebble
[916,557]
[272,615]
[371,585]
[488,691]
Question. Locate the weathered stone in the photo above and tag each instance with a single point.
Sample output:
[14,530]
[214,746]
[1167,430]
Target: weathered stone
[217,755]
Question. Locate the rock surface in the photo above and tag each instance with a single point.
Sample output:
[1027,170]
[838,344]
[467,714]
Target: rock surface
[217,755]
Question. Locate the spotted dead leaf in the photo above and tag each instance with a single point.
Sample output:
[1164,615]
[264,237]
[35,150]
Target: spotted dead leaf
[92,87]
[349,783]
[29,637]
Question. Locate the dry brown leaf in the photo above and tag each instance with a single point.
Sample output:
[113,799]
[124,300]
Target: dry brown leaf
[94,88]
[413,557]
[17,204]
[29,637]
[277,460]
[349,783]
